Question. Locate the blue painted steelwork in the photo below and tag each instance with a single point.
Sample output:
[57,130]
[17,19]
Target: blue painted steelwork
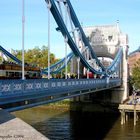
[115,64]
[50,90]
[65,33]
[110,69]
[13,91]
[10,55]
[62,67]
[61,63]
[18,87]
[85,40]
[116,59]
[62,27]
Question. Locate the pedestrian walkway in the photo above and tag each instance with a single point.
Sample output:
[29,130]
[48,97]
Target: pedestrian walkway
[12,128]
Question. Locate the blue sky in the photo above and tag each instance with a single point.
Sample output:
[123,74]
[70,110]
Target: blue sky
[91,12]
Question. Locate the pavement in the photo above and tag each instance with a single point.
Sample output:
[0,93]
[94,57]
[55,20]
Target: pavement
[12,128]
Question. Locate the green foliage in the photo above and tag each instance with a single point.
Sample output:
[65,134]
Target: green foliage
[17,53]
[0,58]
[37,56]
[135,79]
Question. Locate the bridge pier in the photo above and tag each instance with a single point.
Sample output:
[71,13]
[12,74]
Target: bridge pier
[119,95]
[124,68]
[110,99]
[123,117]
[101,101]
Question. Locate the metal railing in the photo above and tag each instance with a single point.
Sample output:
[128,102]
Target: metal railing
[21,94]
[20,87]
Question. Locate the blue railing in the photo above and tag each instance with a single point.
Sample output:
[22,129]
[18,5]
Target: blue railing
[33,92]
[20,87]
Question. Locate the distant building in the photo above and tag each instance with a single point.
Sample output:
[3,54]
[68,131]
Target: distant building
[132,58]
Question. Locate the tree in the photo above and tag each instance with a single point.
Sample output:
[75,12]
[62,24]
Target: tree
[1,58]
[36,56]
[17,54]
[135,79]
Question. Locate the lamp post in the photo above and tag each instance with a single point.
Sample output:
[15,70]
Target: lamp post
[78,71]
[66,41]
[23,21]
[49,6]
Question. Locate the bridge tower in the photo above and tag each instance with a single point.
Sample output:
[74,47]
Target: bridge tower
[105,41]
[124,90]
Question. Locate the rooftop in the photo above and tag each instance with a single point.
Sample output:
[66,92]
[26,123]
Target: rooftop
[138,50]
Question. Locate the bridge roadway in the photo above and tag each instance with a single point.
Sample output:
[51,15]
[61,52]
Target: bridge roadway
[19,94]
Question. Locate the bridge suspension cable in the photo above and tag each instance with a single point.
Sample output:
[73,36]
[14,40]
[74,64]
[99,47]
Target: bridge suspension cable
[62,27]
[58,66]
[115,63]
[70,35]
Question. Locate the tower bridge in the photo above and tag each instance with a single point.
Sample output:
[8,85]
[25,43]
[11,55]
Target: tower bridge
[87,45]
[105,37]
[106,41]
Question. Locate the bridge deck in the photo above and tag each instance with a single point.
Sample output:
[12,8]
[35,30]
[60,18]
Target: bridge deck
[29,93]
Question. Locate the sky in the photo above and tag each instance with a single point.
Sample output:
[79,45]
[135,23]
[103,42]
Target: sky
[89,13]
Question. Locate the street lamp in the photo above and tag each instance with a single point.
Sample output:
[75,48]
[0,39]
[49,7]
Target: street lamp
[23,21]
[49,6]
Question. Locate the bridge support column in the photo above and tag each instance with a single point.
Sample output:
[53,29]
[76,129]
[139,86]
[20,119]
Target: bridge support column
[121,94]
[123,117]
[117,95]
[124,42]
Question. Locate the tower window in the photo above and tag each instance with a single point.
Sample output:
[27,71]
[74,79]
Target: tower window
[110,38]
